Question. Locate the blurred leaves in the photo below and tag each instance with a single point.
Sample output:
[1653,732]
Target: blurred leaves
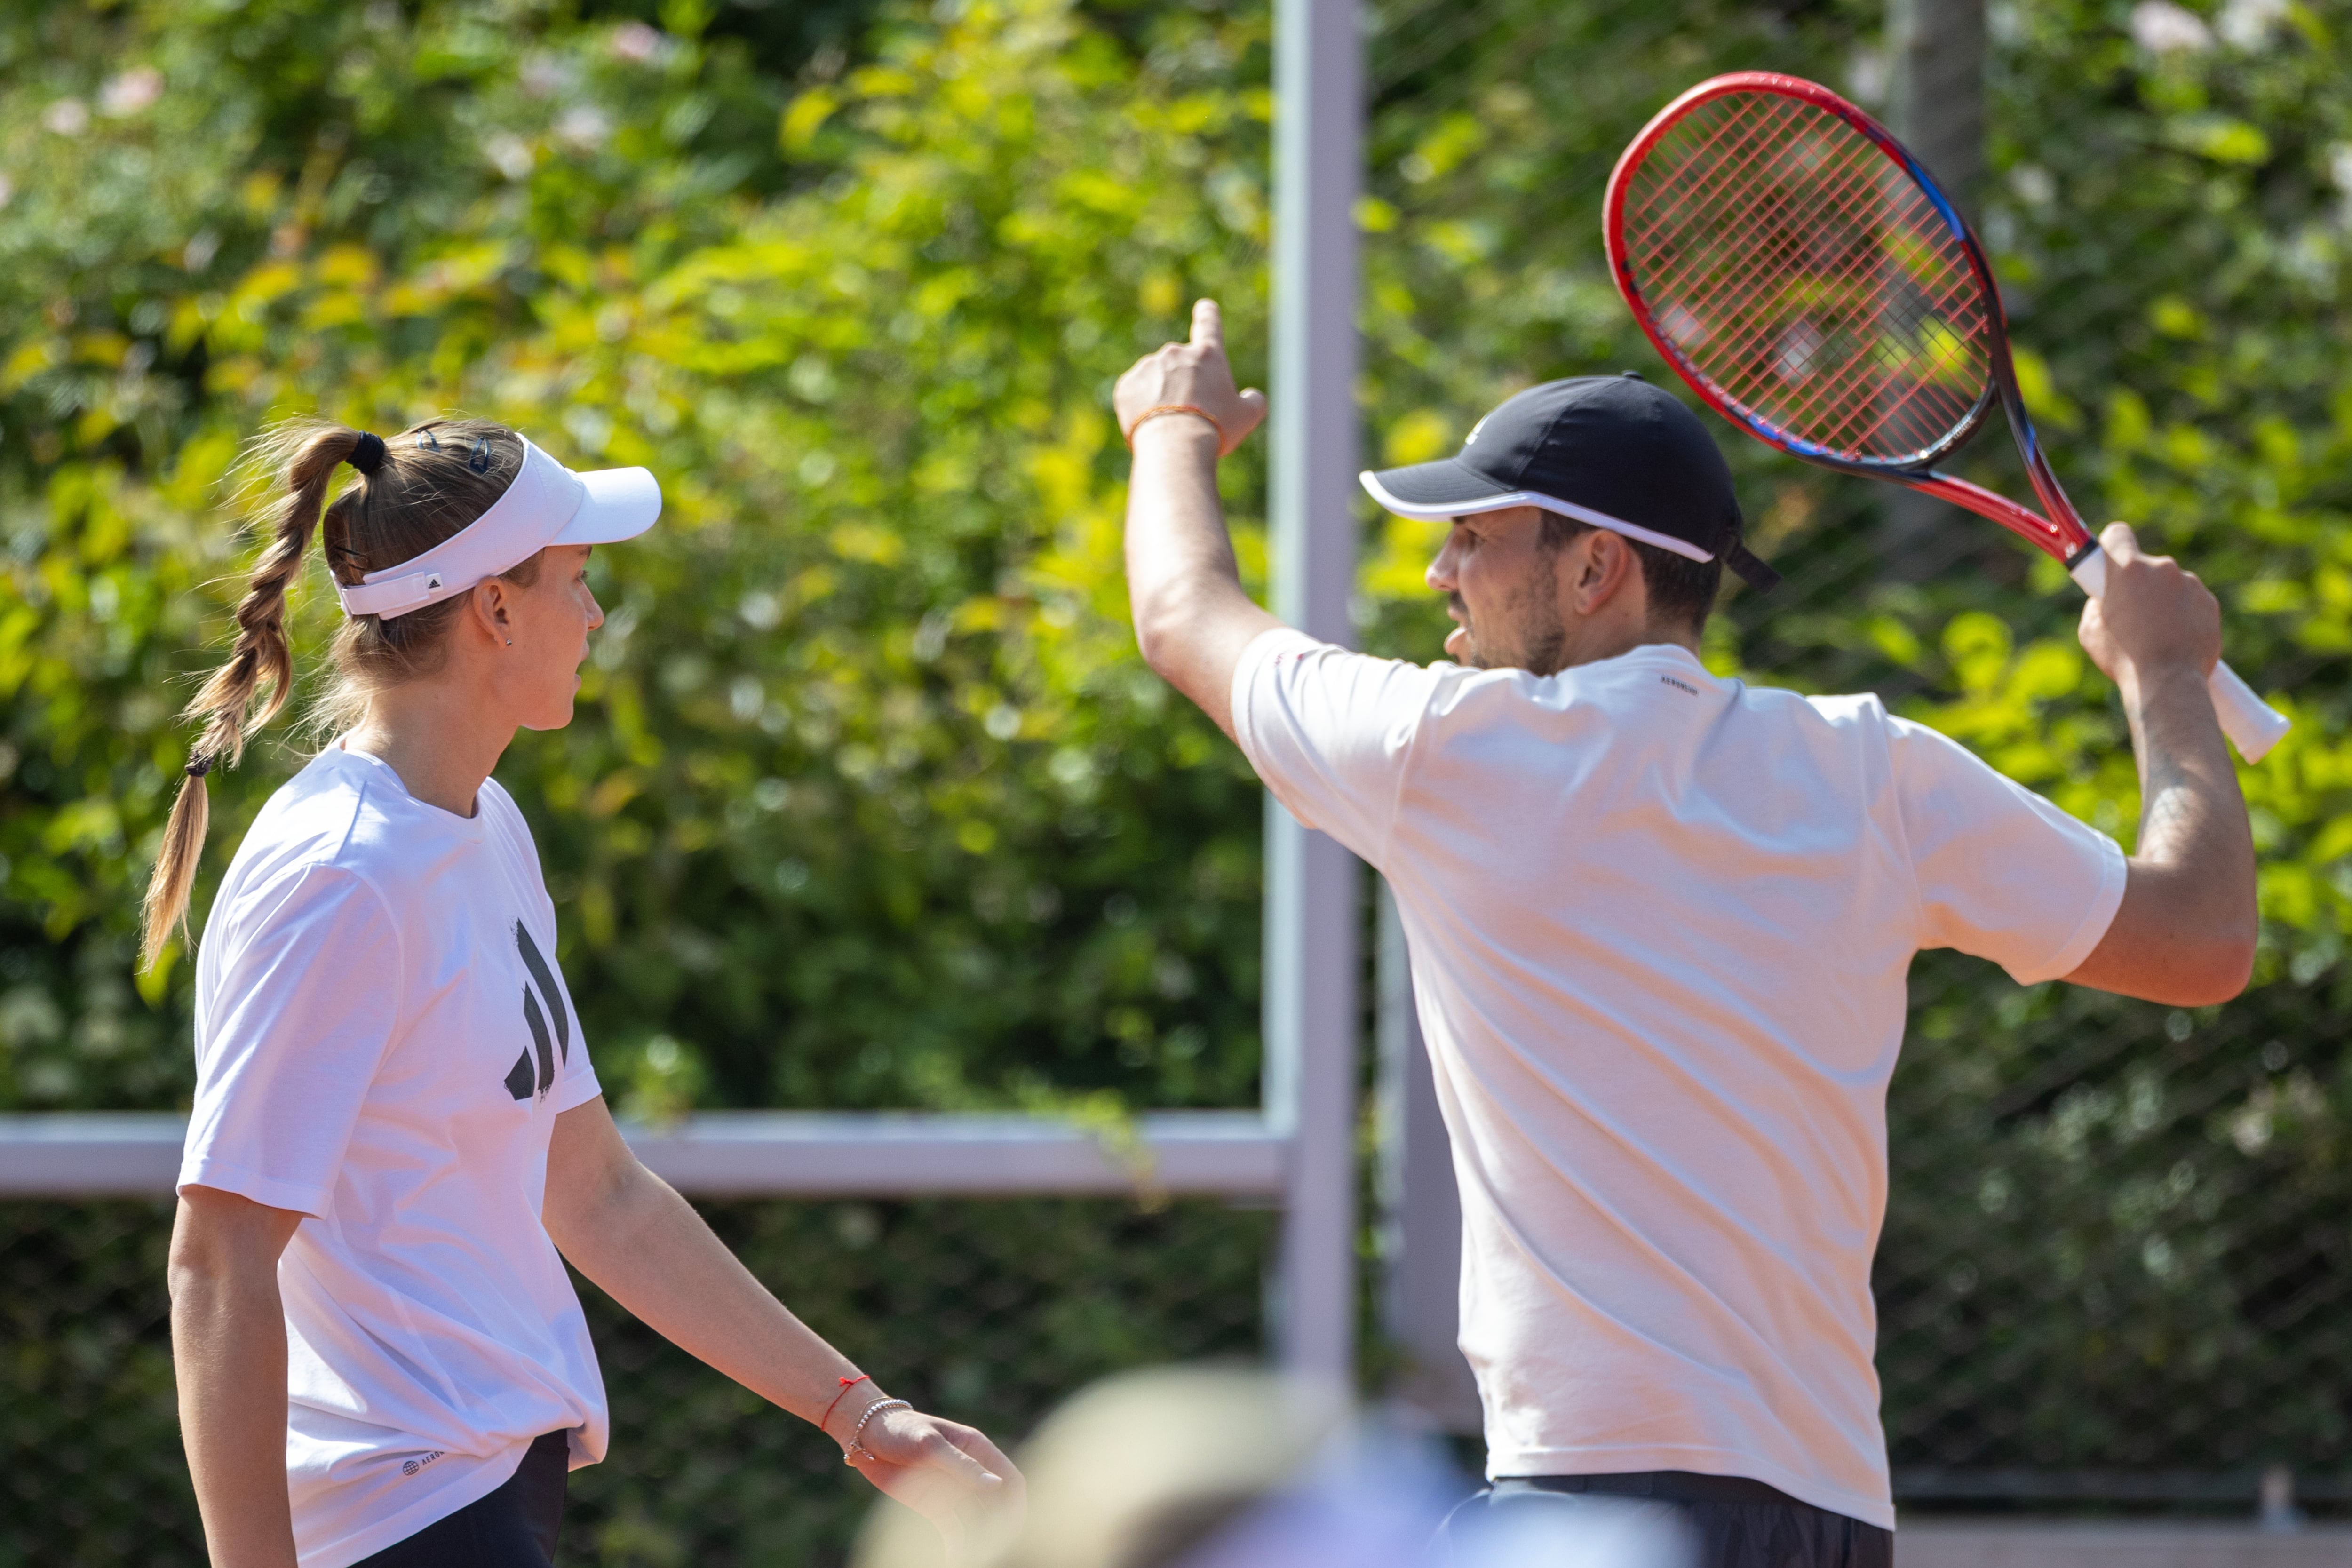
[869,801]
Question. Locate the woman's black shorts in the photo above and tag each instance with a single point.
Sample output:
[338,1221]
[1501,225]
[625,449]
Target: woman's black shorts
[514,1527]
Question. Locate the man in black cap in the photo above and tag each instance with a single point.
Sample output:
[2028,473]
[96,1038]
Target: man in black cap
[1661,922]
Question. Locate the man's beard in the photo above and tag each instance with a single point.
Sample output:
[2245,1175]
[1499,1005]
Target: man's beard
[1532,613]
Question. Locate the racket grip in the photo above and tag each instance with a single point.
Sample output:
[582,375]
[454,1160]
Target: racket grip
[2252,725]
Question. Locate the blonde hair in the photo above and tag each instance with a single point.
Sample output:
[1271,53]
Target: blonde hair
[426,484]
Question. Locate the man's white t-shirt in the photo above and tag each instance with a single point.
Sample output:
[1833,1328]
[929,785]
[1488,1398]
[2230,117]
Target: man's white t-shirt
[1661,924]
[382,1045]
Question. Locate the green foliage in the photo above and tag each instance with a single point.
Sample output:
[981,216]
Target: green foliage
[869,801]
[2116,1239]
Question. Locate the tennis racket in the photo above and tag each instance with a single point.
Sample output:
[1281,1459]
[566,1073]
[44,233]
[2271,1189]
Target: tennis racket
[1801,270]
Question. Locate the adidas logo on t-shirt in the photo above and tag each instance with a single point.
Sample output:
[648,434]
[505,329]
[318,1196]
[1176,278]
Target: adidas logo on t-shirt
[522,1081]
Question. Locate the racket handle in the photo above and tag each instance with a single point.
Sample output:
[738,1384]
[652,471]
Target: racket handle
[2252,725]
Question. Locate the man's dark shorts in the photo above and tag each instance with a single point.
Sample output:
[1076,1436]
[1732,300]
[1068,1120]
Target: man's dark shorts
[1694,1521]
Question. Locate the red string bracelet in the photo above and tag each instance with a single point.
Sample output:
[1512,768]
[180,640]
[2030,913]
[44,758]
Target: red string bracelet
[847,1384]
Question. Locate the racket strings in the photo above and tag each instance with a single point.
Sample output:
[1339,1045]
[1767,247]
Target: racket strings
[1788,237]
[1810,356]
[1805,274]
[1773,244]
[1816,241]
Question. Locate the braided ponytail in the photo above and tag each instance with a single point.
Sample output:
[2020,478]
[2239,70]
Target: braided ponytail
[424,485]
[250,688]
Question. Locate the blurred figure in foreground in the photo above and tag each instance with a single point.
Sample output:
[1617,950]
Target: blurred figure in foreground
[1205,1467]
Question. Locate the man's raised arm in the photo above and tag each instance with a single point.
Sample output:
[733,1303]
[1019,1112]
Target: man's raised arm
[2184,932]
[1191,618]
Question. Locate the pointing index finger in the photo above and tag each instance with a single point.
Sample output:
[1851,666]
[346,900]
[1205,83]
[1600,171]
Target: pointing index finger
[1208,325]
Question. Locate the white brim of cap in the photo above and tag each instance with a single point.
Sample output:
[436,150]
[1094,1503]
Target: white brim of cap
[621,503]
[1497,501]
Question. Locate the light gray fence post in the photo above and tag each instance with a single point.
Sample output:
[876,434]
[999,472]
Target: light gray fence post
[1936,89]
[1313,885]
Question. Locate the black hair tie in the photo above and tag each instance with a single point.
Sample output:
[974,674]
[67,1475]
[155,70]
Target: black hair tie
[198,766]
[367,456]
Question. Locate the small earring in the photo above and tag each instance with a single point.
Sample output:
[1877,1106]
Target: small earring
[510,642]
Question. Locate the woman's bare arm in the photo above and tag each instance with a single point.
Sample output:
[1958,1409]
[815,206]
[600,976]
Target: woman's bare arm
[644,1246]
[228,1354]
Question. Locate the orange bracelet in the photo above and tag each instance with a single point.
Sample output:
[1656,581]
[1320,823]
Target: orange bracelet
[1154,413]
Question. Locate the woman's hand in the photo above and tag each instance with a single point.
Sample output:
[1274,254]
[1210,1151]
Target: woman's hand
[948,1473]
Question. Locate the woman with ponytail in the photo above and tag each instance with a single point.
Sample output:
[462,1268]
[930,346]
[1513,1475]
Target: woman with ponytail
[398,1140]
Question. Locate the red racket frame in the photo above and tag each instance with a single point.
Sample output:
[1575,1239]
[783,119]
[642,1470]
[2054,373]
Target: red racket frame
[2061,533]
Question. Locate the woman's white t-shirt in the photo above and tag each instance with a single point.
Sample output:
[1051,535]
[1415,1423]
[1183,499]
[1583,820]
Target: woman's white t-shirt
[1661,925]
[382,1045]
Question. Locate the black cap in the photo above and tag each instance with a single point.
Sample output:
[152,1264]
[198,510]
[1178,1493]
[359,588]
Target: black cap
[1609,450]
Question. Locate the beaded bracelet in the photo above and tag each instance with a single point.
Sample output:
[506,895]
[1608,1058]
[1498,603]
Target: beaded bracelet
[856,1446]
[1154,413]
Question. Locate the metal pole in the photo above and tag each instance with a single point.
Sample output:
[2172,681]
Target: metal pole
[1312,885]
[1936,102]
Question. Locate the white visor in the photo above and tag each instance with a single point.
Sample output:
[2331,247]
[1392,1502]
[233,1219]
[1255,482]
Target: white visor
[546,504]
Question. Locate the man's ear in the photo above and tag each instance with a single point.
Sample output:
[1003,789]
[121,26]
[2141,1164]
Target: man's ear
[1601,569]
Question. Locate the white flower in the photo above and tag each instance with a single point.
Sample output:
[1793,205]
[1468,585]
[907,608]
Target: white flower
[2033,183]
[635,42]
[591,428]
[583,127]
[508,153]
[131,91]
[67,117]
[2247,24]
[1799,346]
[2162,29]
[1865,77]
[544,76]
